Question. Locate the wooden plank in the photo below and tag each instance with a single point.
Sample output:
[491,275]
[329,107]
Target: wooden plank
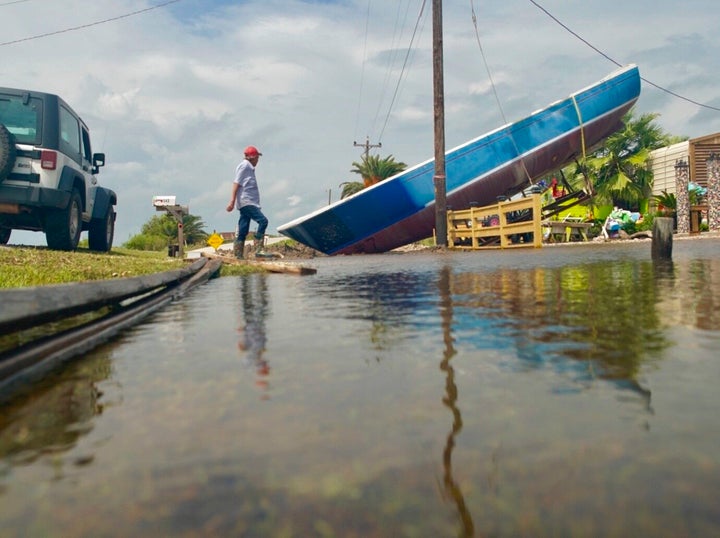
[271,266]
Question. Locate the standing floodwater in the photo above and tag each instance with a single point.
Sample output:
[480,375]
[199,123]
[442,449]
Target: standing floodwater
[566,391]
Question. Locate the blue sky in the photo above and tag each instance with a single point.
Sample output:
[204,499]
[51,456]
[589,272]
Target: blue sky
[174,94]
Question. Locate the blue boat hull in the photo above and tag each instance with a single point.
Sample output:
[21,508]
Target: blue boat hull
[401,209]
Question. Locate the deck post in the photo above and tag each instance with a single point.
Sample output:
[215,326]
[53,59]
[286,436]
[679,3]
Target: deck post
[713,192]
[662,238]
[682,210]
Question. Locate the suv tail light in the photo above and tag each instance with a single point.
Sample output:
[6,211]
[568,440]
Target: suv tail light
[48,160]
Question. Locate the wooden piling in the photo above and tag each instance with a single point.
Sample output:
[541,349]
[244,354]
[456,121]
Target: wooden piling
[662,238]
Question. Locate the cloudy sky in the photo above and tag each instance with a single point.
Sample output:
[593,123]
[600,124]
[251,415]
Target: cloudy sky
[173,91]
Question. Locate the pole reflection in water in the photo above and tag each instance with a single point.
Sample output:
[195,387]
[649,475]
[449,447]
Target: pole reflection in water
[450,400]
[253,340]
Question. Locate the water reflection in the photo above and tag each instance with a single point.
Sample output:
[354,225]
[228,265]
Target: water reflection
[504,382]
[55,415]
[452,488]
[253,340]
[689,293]
[588,322]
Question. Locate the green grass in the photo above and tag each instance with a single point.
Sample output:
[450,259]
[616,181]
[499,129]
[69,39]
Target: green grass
[36,266]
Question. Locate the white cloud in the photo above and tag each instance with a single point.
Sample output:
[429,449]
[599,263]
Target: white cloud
[174,95]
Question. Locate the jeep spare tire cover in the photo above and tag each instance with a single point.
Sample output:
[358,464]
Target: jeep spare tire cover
[7,152]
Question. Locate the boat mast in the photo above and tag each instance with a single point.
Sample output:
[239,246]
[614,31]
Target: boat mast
[439,117]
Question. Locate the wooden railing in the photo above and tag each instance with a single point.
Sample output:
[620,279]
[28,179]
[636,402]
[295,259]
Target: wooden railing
[509,224]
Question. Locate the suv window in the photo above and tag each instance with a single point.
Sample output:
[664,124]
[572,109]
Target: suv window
[86,152]
[69,134]
[22,120]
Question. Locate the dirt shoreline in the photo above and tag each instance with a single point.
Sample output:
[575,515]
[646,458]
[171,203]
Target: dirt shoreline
[300,251]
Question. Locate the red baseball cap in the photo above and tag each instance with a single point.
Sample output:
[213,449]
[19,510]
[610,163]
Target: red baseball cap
[251,151]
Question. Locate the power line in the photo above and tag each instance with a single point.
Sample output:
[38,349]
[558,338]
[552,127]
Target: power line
[15,2]
[74,28]
[593,47]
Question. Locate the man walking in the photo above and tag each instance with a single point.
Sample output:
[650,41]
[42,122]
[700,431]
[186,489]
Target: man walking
[246,197]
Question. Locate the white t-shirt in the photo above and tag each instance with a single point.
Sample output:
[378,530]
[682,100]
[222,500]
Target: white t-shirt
[248,192]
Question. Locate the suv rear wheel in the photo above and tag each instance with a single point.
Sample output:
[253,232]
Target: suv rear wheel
[5,235]
[7,152]
[102,231]
[63,226]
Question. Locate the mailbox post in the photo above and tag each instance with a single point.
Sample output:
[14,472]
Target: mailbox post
[168,204]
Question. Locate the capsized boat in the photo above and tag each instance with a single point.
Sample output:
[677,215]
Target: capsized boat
[401,209]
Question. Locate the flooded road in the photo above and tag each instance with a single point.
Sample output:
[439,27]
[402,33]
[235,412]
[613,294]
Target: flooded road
[565,391]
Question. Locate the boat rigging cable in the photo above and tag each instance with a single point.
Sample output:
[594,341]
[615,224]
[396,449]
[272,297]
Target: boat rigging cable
[391,58]
[397,38]
[402,71]
[362,71]
[494,89]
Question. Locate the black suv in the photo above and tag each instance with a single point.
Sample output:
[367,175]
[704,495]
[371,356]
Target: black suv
[48,173]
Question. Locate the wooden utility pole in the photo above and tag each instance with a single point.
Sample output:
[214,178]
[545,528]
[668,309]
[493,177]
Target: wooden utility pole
[439,115]
[367,145]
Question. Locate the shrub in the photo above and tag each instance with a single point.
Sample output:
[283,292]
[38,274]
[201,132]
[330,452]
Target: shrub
[646,223]
[666,204]
[147,242]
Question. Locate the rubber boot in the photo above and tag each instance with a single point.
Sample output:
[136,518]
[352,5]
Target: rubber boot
[258,246]
[239,250]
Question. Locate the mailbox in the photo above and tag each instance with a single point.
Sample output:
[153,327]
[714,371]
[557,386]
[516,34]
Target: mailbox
[164,201]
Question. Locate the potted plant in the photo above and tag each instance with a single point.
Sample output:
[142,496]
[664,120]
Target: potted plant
[666,204]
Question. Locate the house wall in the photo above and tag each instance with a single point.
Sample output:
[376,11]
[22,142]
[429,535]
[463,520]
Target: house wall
[695,152]
[700,150]
[662,163]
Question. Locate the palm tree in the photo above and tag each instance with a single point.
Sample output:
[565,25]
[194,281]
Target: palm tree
[374,169]
[350,187]
[165,226]
[619,169]
[193,229]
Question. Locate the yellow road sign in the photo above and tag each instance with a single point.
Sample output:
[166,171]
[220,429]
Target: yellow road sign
[215,241]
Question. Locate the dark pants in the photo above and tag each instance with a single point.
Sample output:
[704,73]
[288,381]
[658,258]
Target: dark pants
[248,213]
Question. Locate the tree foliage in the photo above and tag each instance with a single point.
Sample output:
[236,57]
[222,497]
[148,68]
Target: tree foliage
[350,187]
[161,231]
[618,170]
[373,168]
